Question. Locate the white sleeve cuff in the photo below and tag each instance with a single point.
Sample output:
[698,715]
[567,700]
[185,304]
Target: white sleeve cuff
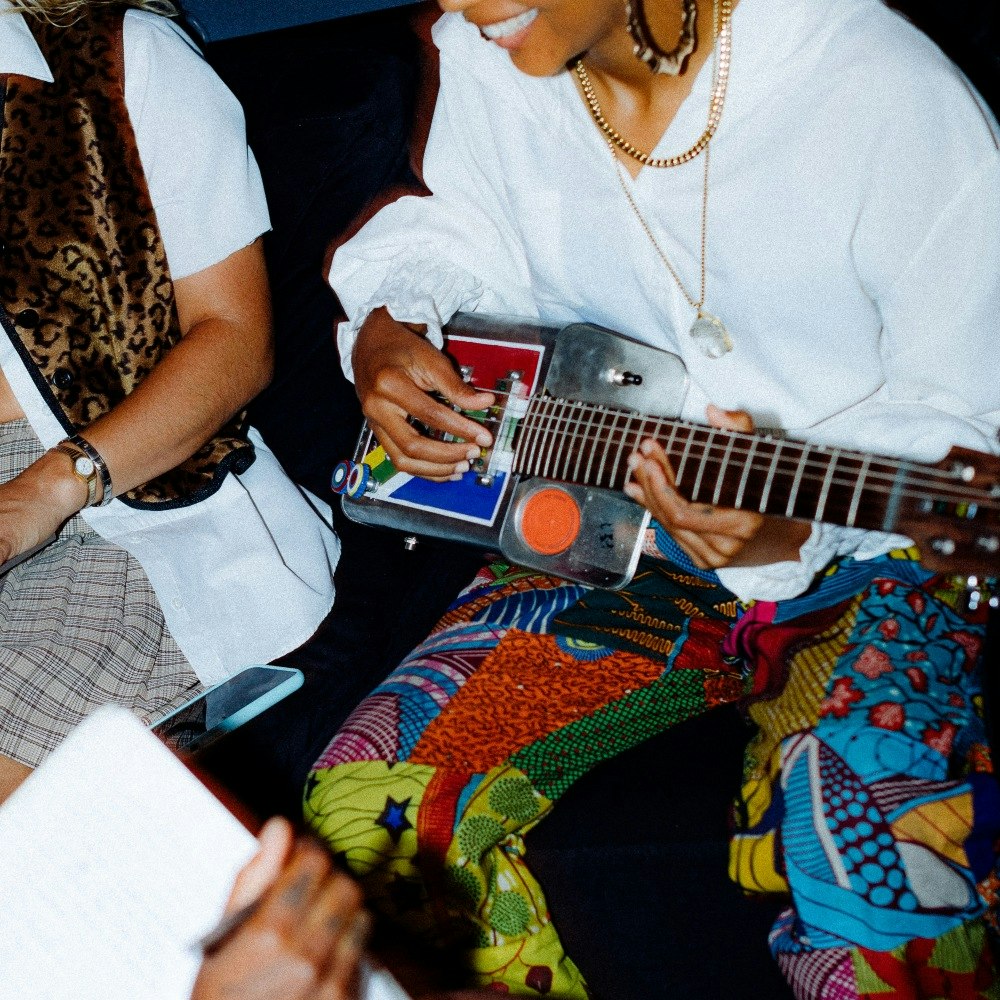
[784,580]
[414,293]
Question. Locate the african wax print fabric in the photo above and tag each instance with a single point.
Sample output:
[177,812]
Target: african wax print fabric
[869,794]
[432,784]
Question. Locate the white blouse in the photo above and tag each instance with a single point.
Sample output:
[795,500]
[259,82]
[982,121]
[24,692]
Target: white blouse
[853,242]
[247,574]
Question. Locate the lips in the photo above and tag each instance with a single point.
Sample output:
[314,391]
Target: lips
[502,30]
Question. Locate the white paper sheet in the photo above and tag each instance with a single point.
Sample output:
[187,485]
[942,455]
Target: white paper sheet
[114,860]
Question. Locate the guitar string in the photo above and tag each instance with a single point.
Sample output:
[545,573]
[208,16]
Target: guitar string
[914,487]
[942,488]
[534,421]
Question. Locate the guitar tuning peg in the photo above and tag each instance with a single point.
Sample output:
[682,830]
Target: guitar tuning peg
[988,543]
[963,471]
[358,480]
[943,546]
[341,474]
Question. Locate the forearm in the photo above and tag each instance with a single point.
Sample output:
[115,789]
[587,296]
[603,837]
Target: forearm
[207,378]
[223,360]
[777,540]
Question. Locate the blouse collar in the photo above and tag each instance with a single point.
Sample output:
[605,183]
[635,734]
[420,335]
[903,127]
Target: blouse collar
[19,52]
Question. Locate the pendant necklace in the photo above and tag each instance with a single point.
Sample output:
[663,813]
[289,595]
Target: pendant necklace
[707,331]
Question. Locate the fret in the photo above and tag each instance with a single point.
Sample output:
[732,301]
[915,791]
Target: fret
[562,436]
[824,491]
[859,486]
[673,435]
[572,441]
[701,465]
[586,442]
[629,428]
[770,477]
[747,466]
[895,496]
[551,435]
[523,432]
[684,456]
[598,439]
[723,465]
[604,450]
[793,493]
[538,424]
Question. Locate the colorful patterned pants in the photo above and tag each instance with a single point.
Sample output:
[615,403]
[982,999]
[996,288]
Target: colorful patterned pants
[868,800]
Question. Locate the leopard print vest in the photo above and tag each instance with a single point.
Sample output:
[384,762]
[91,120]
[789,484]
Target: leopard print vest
[85,291]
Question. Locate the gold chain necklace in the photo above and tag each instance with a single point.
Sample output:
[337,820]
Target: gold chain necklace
[724,54]
[707,331]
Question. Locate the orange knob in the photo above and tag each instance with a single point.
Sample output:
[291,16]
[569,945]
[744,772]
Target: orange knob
[550,521]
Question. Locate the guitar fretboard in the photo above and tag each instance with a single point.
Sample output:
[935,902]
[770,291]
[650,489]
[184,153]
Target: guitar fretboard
[590,445]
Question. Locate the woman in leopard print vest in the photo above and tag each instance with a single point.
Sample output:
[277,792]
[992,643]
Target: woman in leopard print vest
[135,328]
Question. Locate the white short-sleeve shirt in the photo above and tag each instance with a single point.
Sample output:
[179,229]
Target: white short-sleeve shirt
[247,574]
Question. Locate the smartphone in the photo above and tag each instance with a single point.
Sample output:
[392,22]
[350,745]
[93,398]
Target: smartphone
[208,717]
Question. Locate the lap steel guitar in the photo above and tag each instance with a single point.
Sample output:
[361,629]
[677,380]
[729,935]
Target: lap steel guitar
[572,404]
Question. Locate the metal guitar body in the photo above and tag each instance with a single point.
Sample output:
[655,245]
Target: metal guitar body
[580,533]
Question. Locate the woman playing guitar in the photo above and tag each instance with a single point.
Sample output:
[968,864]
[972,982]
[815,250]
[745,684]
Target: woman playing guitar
[800,200]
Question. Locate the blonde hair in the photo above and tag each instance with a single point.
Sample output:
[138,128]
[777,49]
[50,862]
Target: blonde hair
[68,11]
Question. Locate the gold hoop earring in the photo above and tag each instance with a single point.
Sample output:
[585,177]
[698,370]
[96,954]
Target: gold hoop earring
[645,49]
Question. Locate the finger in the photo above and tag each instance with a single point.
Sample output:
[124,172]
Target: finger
[330,916]
[673,509]
[343,973]
[650,448]
[259,874]
[445,380]
[437,415]
[439,462]
[288,900]
[733,420]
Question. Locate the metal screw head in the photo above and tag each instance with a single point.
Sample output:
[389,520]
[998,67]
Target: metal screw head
[410,543]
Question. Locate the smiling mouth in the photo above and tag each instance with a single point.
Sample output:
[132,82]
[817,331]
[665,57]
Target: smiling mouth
[504,29]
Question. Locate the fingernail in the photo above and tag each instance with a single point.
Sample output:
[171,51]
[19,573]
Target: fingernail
[631,490]
[461,468]
[472,454]
[633,462]
[457,478]
[646,447]
[484,440]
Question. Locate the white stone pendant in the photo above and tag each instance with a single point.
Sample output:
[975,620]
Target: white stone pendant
[711,335]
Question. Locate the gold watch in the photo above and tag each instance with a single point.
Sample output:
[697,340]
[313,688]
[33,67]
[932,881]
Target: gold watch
[84,467]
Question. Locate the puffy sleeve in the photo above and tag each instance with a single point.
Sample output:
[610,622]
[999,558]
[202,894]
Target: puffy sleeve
[426,258]
[190,130]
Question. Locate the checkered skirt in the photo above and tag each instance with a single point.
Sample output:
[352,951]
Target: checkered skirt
[80,626]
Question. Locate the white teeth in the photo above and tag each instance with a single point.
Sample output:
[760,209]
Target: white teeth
[502,29]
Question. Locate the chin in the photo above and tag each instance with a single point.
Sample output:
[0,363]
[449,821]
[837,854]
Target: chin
[538,64]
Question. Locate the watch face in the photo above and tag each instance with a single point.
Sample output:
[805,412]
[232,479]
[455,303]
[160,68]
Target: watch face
[84,466]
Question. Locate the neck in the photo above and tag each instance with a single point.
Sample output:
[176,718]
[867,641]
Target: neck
[623,78]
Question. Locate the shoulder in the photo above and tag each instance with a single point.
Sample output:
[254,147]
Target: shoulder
[465,52]
[147,34]
[165,72]
[191,136]
[888,75]
[475,71]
